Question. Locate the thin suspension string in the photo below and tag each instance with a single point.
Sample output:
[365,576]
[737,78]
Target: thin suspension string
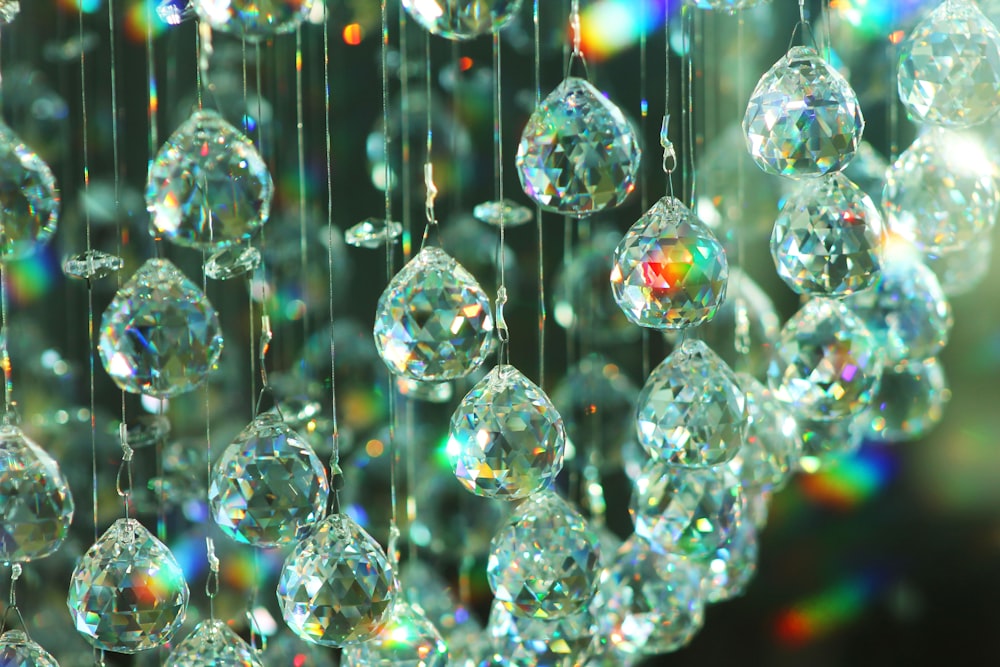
[301,143]
[153,100]
[741,335]
[539,220]
[690,177]
[501,322]
[669,156]
[643,134]
[406,177]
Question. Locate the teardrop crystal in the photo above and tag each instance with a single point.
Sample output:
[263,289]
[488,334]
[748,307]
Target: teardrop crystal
[516,641]
[578,153]
[506,440]
[160,336]
[462,19]
[803,119]
[36,506]
[910,401]
[268,487]
[409,639]
[337,587]
[433,321]
[553,582]
[949,67]
[208,186]
[691,411]
[18,650]
[213,644]
[829,238]
[669,272]
[254,20]
[128,592]
[29,198]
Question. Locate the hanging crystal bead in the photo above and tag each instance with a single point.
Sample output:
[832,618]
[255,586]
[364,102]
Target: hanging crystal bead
[578,153]
[160,336]
[232,262]
[669,270]
[29,198]
[691,411]
[128,593]
[372,233]
[506,212]
[803,119]
[254,20]
[462,19]
[728,571]
[268,487]
[433,321]
[18,650]
[827,442]
[337,587]
[517,641]
[208,186]
[827,364]
[910,401]
[409,639]
[773,445]
[213,644]
[506,440]
[92,265]
[36,506]
[949,67]
[961,270]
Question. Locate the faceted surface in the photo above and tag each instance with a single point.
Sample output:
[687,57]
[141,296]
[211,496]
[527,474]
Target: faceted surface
[910,401]
[268,487]
[827,364]
[18,650]
[961,270]
[941,194]
[729,570]
[648,602]
[949,67]
[462,19]
[907,311]
[160,336]
[128,593]
[534,642]
[208,186]
[832,440]
[686,512]
[578,153]
[828,238]
[506,440]
[691,411]
[433,320]
[507,212]
[213,644]
[36,506]
[669,270]
[409,639]
[232,262]
[29,200]
[253,19]
[729,6]
[774,444]
[9,9]
[372,233]
[337,587]
[551,582]
[803,118]
[92,265]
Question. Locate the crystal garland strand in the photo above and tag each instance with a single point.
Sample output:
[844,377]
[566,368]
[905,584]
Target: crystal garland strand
[301,165]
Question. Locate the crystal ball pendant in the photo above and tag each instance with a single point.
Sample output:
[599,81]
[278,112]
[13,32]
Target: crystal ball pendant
[949,67]
[578,153]
[829,238]
[254,20]
[29,199]
[774,443]
[462,19]
[669,271]
[160,336]
[128,592]
[213,644]
[433,321]
[409,639]
[507,440]
[517,641]
[803,119]
[208,187]
[910,401]
[18,650]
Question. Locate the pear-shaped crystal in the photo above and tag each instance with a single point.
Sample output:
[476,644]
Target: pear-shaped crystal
[669,270]
[208,186]
[907,311]
[36,506]
[507,440]
[803,118]
[941,193]
[910,401]
[253,20]
[433,321]
[29,200]
[774,443]
[409,639]
[18,650]
[550,582]
[949,67]
[337,587]
[268,487]
[683,511]
[828,238]
[647,601]
[827,363]
[213,644]
[160,336]
[128,592]
[578,153]
[691,411]
[462,19]
[728,571]
[516,641]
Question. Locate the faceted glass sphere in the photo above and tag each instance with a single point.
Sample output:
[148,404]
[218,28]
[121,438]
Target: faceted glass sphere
[728,571]
[213,644]
[462,19]
[774,443]
[949,67]
[253,19]
[516,641]
[803,119]
[18,650]
[827,442]
[910,401]
[961,270]
[409,639]
[29,198]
